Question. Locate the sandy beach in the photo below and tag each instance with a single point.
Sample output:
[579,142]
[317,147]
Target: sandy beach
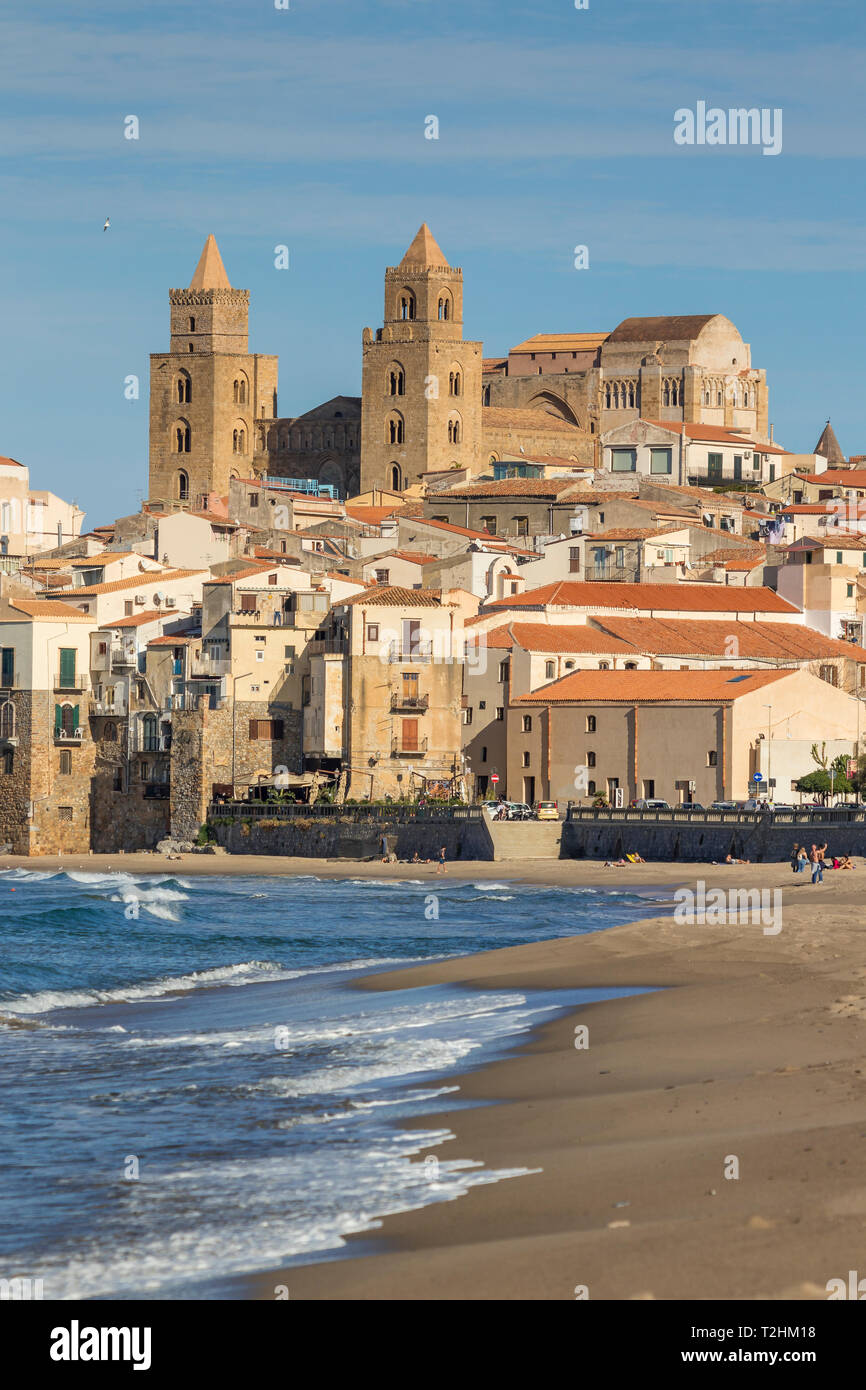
[744,1058]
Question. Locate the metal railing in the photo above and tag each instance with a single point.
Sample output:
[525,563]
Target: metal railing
[400,750]
[801,815]
[396,652]
[399,701]
[266,810]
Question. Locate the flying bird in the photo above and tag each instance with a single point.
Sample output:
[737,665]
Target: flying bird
[107,224]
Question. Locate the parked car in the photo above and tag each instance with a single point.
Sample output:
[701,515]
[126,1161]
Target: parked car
[651,804]
[691,806]
[547,810]
[783,807]
[724,805]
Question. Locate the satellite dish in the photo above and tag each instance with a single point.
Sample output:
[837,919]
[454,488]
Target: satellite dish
[158,597]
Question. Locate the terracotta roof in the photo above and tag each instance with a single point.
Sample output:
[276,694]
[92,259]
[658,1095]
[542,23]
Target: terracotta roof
[710,598]
[49,608]
[520,418]
[424,250]
[210,273]
[838,477]
[139,619]
[372,516]
[555,637]
[135,581]
[10,462]
[415,557]
[216,519]
[660,509]
[838,541]
[717,433]
[491,364]
[813,509]
[105,557]
[562,342]
[509,487]
[632,533]
[690,637]
[702,495]
[393,596]
[174,639]
[668,687]
[677,328]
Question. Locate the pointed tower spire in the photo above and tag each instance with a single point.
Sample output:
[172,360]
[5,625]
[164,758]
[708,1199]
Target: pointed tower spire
[210,273]
[425,250]
[828,445]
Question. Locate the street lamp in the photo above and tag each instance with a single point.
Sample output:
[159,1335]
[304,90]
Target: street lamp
[234,722]
[769,709]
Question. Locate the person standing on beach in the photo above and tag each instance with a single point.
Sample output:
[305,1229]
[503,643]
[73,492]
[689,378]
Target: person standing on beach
[441,868]
[795,858]
[802,860]
[816,859]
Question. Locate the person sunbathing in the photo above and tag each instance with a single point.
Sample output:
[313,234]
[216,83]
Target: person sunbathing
[635,859]
[729,859]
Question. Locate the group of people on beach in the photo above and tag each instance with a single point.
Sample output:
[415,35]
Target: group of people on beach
[817,857]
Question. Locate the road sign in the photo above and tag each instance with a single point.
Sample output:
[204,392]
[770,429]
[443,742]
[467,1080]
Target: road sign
[758,777]
[494,776]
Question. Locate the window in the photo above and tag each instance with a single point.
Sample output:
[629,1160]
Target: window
[184,388]
[500,712]
[623,460]
[604,666]
[266,729]
[7,720]
[182,439]
[738,465]
[590,723]
[712,758]
[590,760]
[7,762]
[838,557]
[549,670]
[397,478]
[525,759]
[396,382]
[590,788]
[454,432]
[65,762]
[64,813]
[192,325]
[631,665]
[260,656]
[488,524]
[484,753]
[522,525]
[467,715]
[503,671]
[527,723]
[144,772]
[407,306]
[182,489]
[850,590]
[253,499]
[249,603]
[714,465]
[574,559]
[7,679]
[372,633]
[660,460]
[382,576]
[482,704]
[395,429]
[620,556]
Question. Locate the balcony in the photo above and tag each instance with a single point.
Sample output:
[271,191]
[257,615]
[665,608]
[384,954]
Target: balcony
[422,651]
[112,709]
[76,681]
[400,701]
[609,574]
[68,735]
[10,680]
[417,749]
[210,666]
[123,657]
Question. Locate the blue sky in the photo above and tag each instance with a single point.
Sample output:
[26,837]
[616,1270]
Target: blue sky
[305,127]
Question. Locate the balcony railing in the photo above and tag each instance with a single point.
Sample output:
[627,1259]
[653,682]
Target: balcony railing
[415,750]
[68,735]
[611,574]
[123,656]
[210,666]
[421,651]
[116,708]
[10,680]
[404,701]
[77,680]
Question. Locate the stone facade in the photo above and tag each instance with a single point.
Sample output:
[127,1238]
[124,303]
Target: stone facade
[421,383]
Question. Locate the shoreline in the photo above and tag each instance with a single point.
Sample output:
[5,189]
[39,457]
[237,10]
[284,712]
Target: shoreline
[744,1051]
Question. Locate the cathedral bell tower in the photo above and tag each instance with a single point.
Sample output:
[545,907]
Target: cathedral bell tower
[207,390]
[421,388]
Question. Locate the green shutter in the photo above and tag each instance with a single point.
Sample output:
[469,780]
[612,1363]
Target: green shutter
[58,718]
[67,667]
[75,716]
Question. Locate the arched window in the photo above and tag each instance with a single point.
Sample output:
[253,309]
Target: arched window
[243,400]
[455,433]
[182,485]
[396,380]
[396,478]
[616,395]
[607,397]
[746,398]
[237,390]
[631,395]
[67,718]
[182,438]
[444,308]
[239,440]
[395,429]
[109,733]
[149,735]
[192,325]
[454,383]
[487,395]
[666,395]
[184,388]
[7,720]
[407,305]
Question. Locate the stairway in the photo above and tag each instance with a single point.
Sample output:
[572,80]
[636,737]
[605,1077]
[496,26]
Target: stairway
[526,839]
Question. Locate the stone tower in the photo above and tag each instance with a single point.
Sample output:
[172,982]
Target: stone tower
[421,382]
[207,390]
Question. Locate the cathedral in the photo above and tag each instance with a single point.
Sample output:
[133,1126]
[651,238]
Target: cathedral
[433,410]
